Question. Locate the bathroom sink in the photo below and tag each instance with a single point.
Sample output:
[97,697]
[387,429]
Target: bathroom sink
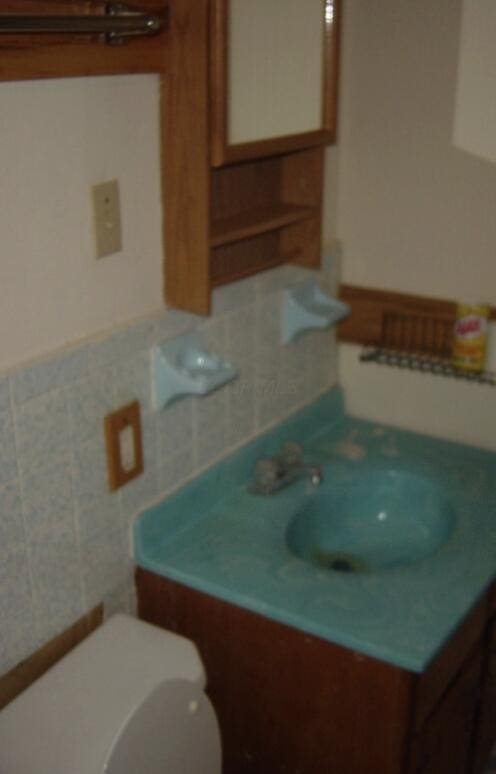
[382,519]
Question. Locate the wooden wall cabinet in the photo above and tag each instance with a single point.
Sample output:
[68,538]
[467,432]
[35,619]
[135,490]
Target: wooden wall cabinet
[291,702]
[233,209]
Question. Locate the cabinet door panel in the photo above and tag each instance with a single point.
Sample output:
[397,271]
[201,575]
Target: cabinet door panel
[274,60]
[443,745]
[273,76]
[485,736]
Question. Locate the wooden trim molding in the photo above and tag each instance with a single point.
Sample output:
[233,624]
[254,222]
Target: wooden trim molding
[274,146]
[185,158]
[332,27]
[368,305]
[24,674]
[218,80]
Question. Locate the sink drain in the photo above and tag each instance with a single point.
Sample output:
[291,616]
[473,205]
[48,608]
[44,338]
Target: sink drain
[339,562]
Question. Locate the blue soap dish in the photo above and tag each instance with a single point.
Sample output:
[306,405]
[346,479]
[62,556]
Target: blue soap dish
[306,307]
[182,366]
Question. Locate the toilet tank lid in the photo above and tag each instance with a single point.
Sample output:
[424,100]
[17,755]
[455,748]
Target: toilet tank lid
[68,718]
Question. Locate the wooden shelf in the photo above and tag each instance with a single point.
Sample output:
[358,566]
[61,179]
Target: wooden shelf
[236,273]
[226,278]
[257,220]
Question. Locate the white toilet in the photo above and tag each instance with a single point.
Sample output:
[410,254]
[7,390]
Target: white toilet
[128,700]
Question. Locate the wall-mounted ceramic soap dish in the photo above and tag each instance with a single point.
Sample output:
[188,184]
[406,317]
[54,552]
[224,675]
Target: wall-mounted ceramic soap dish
[182,366]
[306,307]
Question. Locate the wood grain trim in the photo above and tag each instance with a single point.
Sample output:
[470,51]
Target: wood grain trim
[219,33]
[57,56]
[24,674]
[332,27]
[363,326]
[276,146]
[185,158]
[492,600]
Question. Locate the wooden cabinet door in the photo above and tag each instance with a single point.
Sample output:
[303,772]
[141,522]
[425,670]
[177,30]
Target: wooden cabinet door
[443,746]
[273,76]
[485,732]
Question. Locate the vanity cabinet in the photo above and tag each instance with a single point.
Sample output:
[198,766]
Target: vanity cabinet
[239,202]
[291,702]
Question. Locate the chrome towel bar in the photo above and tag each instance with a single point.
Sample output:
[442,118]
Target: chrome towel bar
[115,26]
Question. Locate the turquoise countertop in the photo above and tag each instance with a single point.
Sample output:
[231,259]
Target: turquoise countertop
[215,536]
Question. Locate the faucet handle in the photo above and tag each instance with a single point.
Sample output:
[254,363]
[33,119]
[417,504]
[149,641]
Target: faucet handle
[292,452]
[266,472]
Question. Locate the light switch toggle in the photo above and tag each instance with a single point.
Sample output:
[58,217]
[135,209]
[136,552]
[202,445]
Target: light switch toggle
[107,218]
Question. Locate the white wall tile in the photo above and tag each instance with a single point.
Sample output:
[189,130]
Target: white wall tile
[4,394]
[132,381]
[11,528]
[174,426]
[90,399]
[174,470]
[8,463]
[210,418]
[56,577]
[43,430]
[47,494]
[34,380]
[106,566]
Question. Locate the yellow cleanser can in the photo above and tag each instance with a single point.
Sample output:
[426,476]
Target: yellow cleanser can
[470,335]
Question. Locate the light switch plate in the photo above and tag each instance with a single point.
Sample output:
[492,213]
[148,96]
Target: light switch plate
[107,218]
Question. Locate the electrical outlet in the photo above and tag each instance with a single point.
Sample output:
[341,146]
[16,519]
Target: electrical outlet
[107,218]
[124,448]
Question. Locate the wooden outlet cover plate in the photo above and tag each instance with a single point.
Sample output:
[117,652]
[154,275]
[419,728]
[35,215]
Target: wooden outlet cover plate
[115,424]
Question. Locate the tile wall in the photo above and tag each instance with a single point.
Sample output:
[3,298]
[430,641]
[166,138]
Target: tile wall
[64,538]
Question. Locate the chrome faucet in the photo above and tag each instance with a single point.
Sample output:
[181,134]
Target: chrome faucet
[273,473]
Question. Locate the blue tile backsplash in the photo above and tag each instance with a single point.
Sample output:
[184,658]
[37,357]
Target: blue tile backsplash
[64,538]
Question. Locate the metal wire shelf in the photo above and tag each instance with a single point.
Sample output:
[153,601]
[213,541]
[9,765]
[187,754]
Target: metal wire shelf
[420,343]
[424,363]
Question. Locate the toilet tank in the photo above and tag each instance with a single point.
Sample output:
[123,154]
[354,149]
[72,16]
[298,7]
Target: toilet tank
[128,691]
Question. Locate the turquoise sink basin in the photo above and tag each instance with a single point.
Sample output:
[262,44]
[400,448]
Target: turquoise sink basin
[382,519]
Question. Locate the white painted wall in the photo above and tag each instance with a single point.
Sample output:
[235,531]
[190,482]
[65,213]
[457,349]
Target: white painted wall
[415,214]
[475,115]
[57,138]
[434,405]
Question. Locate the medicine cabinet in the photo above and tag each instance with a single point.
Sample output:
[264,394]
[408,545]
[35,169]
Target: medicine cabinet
[244,152]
